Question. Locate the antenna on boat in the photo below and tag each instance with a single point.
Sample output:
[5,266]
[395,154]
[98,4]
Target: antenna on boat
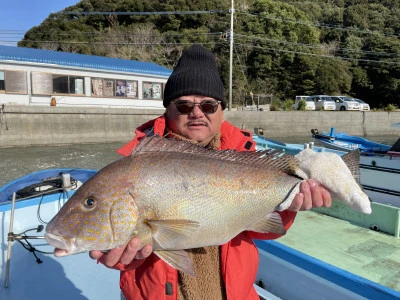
[10,241]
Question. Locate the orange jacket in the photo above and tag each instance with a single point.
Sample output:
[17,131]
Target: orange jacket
[152,278]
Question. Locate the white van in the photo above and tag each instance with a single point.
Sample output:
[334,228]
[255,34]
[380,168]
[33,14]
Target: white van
[310,105]
[345,103]
[323,102]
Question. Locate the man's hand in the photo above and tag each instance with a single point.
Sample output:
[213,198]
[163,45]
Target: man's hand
[311,195]
[123,254]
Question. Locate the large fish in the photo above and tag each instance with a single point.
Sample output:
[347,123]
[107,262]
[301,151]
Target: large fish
[175,195]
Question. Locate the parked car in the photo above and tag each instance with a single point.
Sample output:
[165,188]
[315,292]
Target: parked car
[363,106]
[310,105]
[323,102]
[345,103]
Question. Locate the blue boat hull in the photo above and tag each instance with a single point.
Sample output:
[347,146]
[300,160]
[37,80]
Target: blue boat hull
[344,142]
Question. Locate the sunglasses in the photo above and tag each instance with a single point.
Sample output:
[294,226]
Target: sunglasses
[185,107]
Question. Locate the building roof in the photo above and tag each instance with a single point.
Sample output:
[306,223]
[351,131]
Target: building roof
[81,61]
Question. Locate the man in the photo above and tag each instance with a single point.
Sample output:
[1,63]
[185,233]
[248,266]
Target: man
[194,101]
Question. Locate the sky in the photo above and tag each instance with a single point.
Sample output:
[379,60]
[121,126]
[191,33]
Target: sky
[18,16]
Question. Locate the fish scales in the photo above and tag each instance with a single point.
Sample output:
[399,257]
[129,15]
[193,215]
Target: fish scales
[209,196]
[201,187]
[175,195]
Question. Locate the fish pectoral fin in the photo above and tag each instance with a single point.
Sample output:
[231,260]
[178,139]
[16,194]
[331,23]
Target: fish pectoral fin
[166,233]
[178,259]
[272,223]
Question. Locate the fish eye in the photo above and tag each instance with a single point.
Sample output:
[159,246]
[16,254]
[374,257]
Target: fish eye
[90,203]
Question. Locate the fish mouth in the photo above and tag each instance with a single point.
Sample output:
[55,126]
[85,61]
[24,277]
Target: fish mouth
[63,245]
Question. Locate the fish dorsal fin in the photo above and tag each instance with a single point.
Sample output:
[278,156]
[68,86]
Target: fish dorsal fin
[270,159]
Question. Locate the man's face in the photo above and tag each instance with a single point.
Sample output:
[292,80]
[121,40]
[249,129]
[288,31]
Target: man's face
[196,125]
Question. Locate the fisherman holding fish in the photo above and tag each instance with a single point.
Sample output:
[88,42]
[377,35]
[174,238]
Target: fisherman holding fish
[194,101]
[177,214]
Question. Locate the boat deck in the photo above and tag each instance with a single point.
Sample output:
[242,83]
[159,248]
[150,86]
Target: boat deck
[364,252]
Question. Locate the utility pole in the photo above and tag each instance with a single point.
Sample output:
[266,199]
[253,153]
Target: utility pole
[231,57]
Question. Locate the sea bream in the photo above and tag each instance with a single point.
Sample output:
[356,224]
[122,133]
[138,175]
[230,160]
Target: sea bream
[175,195]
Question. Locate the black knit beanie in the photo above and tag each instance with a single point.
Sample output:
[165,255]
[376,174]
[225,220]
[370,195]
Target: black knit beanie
[195,74]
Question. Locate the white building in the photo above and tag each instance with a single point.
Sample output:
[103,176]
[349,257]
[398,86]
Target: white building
[35,77]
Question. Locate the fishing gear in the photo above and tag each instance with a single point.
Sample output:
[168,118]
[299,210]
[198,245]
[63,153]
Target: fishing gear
[22,238]
[47,186]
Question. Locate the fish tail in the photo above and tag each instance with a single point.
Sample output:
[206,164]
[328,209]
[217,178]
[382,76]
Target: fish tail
[352,160]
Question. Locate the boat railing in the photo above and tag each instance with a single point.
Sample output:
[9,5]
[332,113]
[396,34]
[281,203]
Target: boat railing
[380,169]
[384,218]
[381,190]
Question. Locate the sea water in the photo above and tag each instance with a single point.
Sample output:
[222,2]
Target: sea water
[16,162]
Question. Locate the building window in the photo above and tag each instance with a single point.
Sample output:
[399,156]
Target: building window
[131,89]
[120,88]
[102,87]
[76,85]
[13,82]
[49,84]
[60,84]
[152,90]
[42,83]
[65,84]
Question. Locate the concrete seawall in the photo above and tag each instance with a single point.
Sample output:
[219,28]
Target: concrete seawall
[38,125]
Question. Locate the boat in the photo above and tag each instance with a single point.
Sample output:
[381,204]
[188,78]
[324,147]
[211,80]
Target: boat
[344,142]
[354,242]
[29,269]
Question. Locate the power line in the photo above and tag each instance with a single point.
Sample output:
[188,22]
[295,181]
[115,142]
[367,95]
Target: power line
[130,34]
[10,31]
[141,13]
[318,55]
[319,46]
[121,43]
[274,49]
[218,41]
[312,46]
[213,35]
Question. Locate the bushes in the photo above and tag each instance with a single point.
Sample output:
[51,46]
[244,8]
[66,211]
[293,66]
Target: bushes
[275,105]
[302,105]
[390,107]
[282,105]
